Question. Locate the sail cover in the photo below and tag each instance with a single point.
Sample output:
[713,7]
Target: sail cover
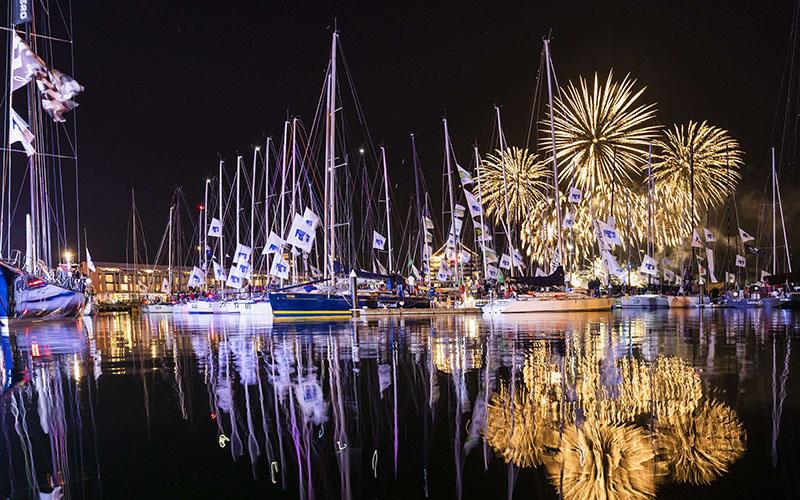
[554,279]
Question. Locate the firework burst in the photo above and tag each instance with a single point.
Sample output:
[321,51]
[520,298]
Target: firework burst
[600,133]
[516,175]
[717,159]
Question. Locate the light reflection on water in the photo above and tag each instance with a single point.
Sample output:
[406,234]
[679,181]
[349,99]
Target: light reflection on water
[622,405]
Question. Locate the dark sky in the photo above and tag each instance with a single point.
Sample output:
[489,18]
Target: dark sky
[172,84]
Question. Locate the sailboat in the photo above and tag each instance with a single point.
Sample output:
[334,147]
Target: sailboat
[566,301]
[31,286]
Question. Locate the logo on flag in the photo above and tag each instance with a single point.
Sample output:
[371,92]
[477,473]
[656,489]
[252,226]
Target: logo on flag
[568,220]
[196,278]
[89,262]
[648,266]
[428,222]
[505,261]
[744,236]
[243,253]
[219,272]
[280,268]
[740,261]
[709,235]
[165,288]
[490,254]
[378,240]
[609,234]
[492,272]
[458,211]
[274,244]
[311,219]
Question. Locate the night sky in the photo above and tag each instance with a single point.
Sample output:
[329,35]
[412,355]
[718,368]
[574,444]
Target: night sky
[170,85]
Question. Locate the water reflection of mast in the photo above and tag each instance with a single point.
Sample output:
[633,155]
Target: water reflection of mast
[779,395]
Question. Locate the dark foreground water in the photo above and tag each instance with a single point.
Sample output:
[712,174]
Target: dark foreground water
[625,405]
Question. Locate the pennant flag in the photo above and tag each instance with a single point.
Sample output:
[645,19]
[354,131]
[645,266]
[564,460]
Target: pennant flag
[666,262]
[381,268]
[648,266]
[444,271]
[243,253]
[696,241]
[709,235]
[428,237]
[415,272]
[475,208]
[451,241]
[744,236]
[492,272]
[428,222]
[315,272]
[740,261]
[165,288]
[300,235]
[490,254]
[219,272]
[568,220]
[482,234]
[539,273]
[274,244]
[311,219]
[279,268]
[574,195]
[730,277]
[18,131]
[505,261]
[466,177]
[458,211]
[196,278]
[89,262]
[764,275]
[668,275]
[378,240]
[609,234]
[710,260]
[215,228]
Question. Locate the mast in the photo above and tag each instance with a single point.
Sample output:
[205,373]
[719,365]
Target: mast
[783,226]
[774,228]
[253,202]
[331,161]
[549,64]
[221,219]
[452,199]
[135,250]
[507,225]
[420,217]
[480,200]
[294,191]
[238,194]
[388,220]
[169,247]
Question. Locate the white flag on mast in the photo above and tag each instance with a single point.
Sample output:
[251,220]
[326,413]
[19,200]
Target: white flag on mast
[710,259]
[609,234]
[311,219]
[378,240]
[709,235]
[696,241]
[196,278]
[475,208]
[243,254]
[465,176]
[214,228]
[300,235]
[740,261]
[575,195]
[569,220]
[648,266]
[165,287]
[744,236]
[505,261]
[219,272]
[18,131]
[89,262]
[280,268]
[274,244]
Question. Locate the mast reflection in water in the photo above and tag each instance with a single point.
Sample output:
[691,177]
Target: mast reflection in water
[622,405]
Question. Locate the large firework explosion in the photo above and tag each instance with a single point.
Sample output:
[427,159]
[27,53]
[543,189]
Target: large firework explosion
[516,175]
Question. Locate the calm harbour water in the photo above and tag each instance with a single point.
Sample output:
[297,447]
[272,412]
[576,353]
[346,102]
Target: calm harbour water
[623,404]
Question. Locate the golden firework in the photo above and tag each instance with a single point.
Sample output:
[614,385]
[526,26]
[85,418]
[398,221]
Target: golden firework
[601,135]
[715,157]
[516,175]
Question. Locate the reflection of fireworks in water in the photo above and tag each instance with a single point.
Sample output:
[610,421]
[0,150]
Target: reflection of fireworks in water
[700,445]
[603,452]
[599,460]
